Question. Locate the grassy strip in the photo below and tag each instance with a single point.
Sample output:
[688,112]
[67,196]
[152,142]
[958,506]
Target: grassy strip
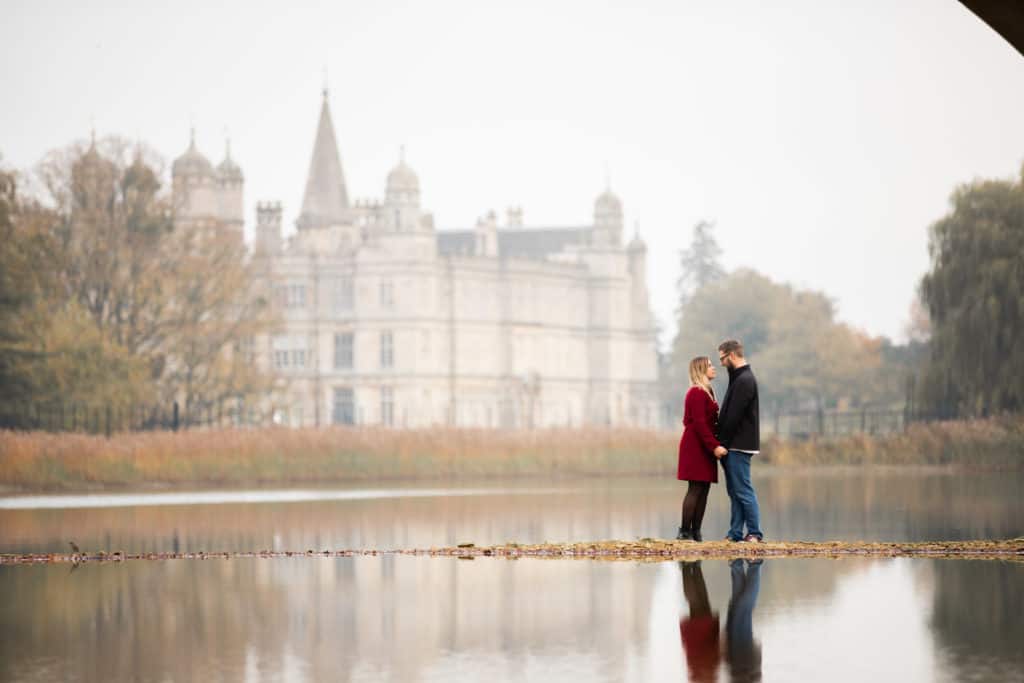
[648,549]
[38,461]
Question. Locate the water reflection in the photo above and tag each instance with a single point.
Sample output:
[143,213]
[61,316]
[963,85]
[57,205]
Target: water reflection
[825,504]
[976,617]
[699,629]
[743,653]
[424,619]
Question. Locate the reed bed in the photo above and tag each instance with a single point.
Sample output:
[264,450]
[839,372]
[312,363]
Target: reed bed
[992,442]
[37,461]
[42,461]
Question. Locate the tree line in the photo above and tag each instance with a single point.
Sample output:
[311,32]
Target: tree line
[105,299]
[962,357]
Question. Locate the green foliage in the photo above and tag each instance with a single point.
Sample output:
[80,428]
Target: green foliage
[975,297]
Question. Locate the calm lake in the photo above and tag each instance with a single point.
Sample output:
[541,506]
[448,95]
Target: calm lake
[396,618]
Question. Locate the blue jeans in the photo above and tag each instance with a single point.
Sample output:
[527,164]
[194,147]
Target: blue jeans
[742,653]
[742,498]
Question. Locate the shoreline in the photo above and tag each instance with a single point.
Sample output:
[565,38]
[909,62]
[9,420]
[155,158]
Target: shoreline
[765,470]
[644,550]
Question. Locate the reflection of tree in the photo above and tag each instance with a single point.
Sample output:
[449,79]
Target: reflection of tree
[976,614]
[267,619]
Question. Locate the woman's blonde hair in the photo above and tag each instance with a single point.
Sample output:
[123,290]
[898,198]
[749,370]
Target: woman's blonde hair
[699,375]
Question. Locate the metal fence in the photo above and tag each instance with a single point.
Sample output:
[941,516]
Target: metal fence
[802,424]
[91,418]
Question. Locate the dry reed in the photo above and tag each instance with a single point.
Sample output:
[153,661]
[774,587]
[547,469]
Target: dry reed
[70,461]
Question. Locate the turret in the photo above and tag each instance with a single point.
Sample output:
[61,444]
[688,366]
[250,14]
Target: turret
[636,252]
[607,220]
[230,182]
[268,228]
[486,234]
[93,180]
[514,217]
[402,197]
[194,186]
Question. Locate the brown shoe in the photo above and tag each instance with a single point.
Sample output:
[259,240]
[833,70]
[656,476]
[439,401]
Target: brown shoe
[751,538]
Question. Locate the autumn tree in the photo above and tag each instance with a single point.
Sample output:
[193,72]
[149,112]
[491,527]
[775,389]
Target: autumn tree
[974,293]
[800,353]
[209,354]
[106,299]
[50,350]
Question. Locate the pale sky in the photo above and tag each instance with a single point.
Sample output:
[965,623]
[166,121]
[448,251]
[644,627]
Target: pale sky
[821,137]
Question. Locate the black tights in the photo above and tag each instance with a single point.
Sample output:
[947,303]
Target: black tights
[694,504]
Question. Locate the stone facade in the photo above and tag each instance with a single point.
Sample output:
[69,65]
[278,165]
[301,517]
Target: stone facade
[387,321]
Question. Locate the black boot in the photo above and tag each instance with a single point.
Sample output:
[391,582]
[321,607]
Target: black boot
[695,534]
[684,535]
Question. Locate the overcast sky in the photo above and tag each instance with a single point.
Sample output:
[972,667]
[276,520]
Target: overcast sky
[821,137]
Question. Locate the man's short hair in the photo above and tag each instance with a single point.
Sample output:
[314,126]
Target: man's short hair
[731,346]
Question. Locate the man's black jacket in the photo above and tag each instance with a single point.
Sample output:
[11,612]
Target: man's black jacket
[738,425]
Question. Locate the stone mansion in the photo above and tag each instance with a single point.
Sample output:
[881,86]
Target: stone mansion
[387,321]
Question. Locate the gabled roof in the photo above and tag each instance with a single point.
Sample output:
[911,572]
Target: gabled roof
[326,199]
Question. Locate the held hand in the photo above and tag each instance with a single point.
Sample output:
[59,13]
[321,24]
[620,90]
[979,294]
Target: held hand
[721,452]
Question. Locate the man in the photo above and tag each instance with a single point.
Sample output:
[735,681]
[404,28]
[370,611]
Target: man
[740,433]
[742,652]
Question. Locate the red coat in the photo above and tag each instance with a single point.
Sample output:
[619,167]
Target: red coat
[700,643]
[697,460]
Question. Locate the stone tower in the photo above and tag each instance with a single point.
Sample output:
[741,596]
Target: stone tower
[268,228]
[607,220]
[230,182]
[203,194]
[194,186]
[402,197]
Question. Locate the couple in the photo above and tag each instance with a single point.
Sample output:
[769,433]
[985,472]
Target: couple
[731,435]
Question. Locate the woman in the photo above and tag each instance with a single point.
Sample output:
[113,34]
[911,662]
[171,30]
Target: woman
[699,628]
[698,449]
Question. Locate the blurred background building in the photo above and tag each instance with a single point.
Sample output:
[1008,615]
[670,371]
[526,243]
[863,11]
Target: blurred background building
[386,320]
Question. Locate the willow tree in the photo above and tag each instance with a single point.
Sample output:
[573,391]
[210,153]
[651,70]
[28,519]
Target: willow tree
[975,298]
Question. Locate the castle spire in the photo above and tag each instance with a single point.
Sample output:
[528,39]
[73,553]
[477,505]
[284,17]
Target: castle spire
[325,201]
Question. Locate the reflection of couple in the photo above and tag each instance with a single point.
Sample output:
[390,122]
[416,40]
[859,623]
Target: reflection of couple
[731,435]
[699,628]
